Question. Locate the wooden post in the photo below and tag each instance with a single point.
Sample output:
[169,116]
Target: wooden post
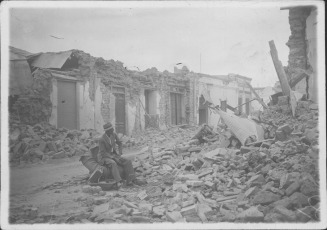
[279,69]
[256,95]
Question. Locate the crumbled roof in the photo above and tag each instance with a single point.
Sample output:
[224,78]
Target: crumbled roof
[51,59]
[18,54]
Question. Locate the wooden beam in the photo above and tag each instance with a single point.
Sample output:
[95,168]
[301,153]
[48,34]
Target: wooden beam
[230,107]
[297,79]
[279,69]
[256,95]
[246,102]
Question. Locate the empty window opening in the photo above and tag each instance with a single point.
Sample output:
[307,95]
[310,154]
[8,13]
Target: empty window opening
[223,105]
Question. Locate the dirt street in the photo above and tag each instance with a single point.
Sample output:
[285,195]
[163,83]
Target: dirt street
[34,185]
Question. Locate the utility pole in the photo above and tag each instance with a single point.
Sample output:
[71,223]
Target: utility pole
[200,62]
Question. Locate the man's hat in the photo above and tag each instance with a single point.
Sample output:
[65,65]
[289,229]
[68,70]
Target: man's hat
[108,126]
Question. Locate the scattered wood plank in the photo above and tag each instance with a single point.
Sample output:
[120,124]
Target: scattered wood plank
[230,107]
[256,95]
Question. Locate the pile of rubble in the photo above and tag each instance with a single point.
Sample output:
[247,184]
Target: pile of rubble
[274,180]
[156,137]
[43,141]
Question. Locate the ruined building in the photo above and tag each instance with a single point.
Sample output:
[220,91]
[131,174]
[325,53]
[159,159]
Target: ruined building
[303,48]
[74,90]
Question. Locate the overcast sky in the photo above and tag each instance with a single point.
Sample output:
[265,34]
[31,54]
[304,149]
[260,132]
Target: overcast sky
[228,39]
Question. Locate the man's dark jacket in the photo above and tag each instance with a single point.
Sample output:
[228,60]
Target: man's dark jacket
[107,148]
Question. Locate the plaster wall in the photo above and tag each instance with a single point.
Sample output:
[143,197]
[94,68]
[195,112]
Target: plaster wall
[152,102]
[217,92]
[131,111]
[158,98]
[54,101]
[87,108]
[99,121]
[161,110]
[217,82]
[112,115]
[311,38]
[136,115]
[142,111]
[163,107]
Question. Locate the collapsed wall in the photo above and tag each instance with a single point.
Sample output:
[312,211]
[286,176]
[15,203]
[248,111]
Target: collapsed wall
[34,104]
[107,78]
[298,57]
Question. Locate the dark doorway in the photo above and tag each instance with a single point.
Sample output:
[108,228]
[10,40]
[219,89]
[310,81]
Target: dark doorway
[119,93]
[176,108]
[240,101]
[203,111]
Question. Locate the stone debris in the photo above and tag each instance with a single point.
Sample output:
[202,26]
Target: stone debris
[293,188]
[41,142]
[265,198]
[251,215]
[174,217]
[91,189]
[189,181]
[189,210]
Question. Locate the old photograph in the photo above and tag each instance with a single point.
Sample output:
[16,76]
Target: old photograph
[178,114]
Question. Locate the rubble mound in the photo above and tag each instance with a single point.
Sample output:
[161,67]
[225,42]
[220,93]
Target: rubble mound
[156,137]
[273,180]
[43,141]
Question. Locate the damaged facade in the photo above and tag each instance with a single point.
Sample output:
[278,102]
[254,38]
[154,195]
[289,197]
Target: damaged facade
[82,92]
[221,90]
[74,90]
[303,49]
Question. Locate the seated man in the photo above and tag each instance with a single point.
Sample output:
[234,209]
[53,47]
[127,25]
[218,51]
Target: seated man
[96,171]
[109,157]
